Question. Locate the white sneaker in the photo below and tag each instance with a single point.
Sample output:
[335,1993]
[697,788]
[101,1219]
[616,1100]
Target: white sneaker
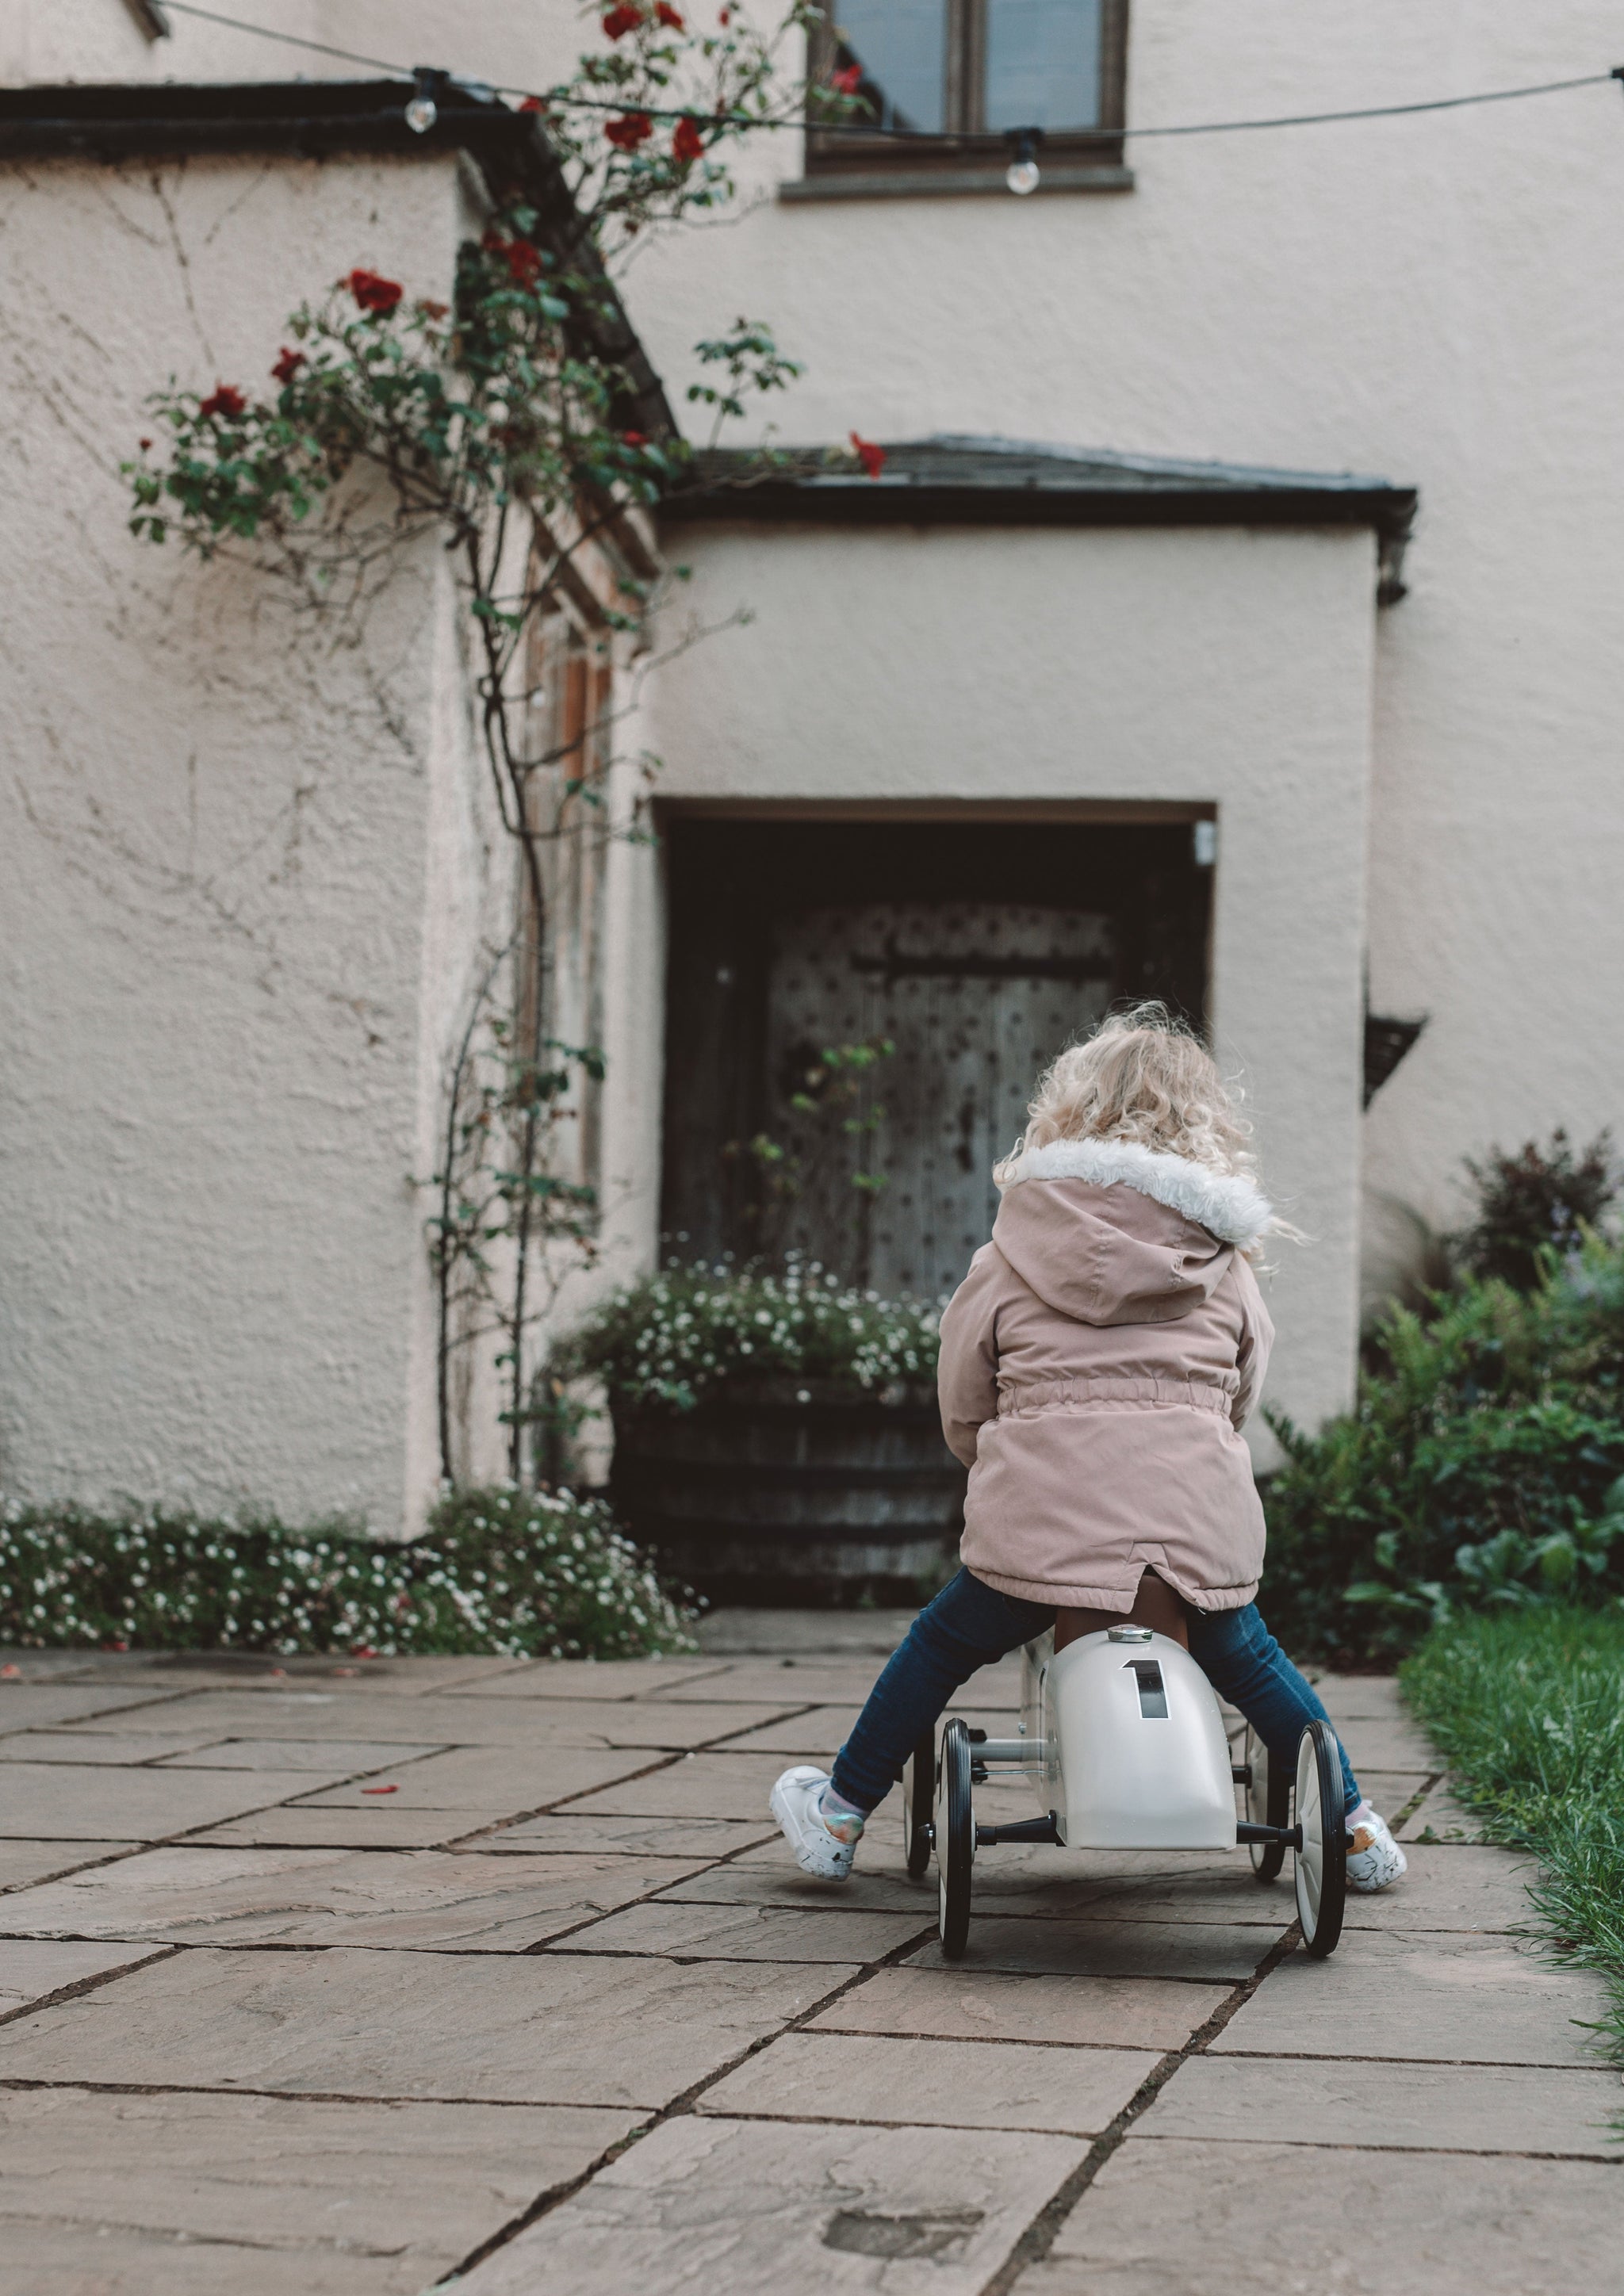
[1375,1862]
[821,1846]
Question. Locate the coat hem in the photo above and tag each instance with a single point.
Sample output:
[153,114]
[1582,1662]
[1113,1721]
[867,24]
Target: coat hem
[1070,1597]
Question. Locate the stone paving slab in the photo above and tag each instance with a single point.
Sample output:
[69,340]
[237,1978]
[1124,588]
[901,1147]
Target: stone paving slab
[512,1779]
[752,2206]
[1441,1818]
[105,2259]
[749,1631]
[1231,1893]
[1391,1790]
[780,1883]
[621,1677]
[1118,2012]
[1167,2217]
[1360,1697]
[751,1933]
[21,1665]
[699,1785]
[1438,1996]
[1410,2107]
[340,1713]
[104,1748]
[290,2198]
[31,1970]
[350,1755]
[632,1837]
[664,1725]
[336,1897]
[1212,1951]
[934,2084]
[1453,1887]
[73,1804]
[819,1734]
[27,1706]
[378,1825]
[1035,1869]
[544,2029]
[1386,1743]
[24,1863]
[835,1683]
[154,1673]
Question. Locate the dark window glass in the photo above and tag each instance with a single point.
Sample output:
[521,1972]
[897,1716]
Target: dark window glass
[1043,63]
[902,47]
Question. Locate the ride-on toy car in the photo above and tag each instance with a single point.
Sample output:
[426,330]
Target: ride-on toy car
[1122,1737]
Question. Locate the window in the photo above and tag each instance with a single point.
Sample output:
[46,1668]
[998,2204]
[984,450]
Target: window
[949,84]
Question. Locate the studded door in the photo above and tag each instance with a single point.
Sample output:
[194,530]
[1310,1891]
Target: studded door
[977,998]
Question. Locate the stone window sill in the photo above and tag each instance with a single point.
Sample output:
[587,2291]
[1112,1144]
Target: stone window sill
[946,183]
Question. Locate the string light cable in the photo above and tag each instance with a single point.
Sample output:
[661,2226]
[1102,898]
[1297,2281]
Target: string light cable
[552,99]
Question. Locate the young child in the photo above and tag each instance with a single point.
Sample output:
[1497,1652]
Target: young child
[1097,1364]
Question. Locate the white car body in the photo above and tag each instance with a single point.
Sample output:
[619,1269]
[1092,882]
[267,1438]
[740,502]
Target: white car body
[1134,1754]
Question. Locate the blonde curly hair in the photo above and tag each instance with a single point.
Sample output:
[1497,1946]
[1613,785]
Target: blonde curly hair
[1143,1076]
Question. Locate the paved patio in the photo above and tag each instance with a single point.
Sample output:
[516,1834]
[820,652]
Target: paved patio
[328,1978]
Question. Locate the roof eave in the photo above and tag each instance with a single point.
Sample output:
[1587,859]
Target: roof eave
[861,502]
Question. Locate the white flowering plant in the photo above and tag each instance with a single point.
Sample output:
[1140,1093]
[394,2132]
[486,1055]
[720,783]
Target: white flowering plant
[512,1572]
[686,1333]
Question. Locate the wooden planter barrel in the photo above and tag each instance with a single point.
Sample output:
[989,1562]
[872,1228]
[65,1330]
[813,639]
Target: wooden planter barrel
[794,1490]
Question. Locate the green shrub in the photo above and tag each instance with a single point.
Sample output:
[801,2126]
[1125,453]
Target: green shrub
[1528,1708]
[514,1572]
[682,1332]
[1482,1465]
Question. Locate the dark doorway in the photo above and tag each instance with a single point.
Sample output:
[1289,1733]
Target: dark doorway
[800,949]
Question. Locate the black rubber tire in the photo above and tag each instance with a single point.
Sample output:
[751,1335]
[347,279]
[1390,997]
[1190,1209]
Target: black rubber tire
[954,1838]
[918,1789]
[1269,1802]
[1320,1869]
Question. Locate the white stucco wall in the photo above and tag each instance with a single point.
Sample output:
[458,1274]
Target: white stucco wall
[1080,668]
[1436,300]
[241,861]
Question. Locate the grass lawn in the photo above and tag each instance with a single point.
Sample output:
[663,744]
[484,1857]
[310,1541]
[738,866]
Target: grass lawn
[1527,1704]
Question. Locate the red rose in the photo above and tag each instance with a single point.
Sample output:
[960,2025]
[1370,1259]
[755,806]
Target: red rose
[687,144]
[374,293]
[146,444]
[621,20]
[523,262]
[288,366]
[532,103]
[627,133]
[725,18]
[434,310]
[871,457]
[666,15]
[633,438]
[225,398]
[847,82]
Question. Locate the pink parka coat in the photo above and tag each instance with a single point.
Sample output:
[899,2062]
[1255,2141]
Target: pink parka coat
[1097,1365]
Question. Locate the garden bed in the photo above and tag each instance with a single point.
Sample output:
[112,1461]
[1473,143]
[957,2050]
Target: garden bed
[521,1574]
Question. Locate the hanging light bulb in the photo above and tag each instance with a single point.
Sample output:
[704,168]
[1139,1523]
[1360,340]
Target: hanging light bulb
[422,111]
[1022,175]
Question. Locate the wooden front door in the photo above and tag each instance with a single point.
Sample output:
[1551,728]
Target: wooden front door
[976,952]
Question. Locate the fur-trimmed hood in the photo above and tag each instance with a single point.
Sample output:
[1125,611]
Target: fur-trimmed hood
[1226,1204]
[1105,1232]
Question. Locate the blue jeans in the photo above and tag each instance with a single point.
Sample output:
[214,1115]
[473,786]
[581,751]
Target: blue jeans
[970,1624]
